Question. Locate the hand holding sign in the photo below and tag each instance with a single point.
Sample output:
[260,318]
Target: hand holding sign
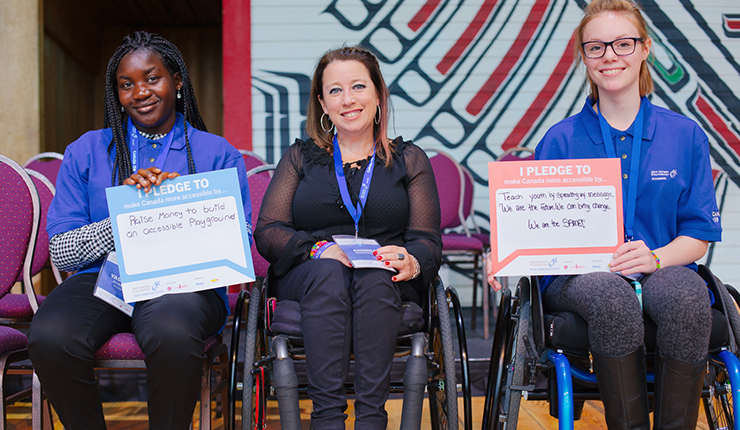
[554,217]
[145,178]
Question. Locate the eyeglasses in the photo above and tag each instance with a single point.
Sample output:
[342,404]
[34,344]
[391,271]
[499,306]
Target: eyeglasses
[621,47]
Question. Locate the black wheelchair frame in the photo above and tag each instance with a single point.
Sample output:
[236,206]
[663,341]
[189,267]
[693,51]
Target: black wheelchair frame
[526,363]
[269,369]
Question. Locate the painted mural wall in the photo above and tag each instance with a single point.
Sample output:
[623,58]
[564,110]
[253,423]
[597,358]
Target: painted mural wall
[475,78]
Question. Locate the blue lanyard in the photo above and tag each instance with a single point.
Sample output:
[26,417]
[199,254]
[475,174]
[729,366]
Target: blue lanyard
[629,221]
[354,212]
[133,134]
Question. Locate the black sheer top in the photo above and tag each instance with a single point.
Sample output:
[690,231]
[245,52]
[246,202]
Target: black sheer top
[303,205]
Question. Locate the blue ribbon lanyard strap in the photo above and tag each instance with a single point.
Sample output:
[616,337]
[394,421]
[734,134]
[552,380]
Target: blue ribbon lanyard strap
[629,213]
[133,135]
[354,212]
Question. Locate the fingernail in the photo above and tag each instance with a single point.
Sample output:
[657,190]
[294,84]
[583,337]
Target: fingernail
[379,257]
[394,279]
[375,252]
[387,263]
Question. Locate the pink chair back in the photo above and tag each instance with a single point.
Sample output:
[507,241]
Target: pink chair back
[46,191]
[448,175]
[46,163]
[259,179]
[515,154]
[19,225]
[251,160]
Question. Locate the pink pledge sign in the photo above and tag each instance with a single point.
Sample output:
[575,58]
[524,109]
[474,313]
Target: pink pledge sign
[555,217]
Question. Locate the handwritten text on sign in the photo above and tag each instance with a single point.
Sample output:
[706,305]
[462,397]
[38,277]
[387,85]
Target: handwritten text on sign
[554,216]
[188,234]
[152,228]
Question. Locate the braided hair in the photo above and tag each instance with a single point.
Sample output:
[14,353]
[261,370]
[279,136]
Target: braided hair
[116,117]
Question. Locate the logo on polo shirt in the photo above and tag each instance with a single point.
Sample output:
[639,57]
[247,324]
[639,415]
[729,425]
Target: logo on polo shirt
[663,175]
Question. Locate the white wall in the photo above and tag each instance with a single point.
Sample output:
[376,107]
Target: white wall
[521,50]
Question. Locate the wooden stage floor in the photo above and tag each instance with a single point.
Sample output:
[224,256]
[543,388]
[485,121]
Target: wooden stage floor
[132,416]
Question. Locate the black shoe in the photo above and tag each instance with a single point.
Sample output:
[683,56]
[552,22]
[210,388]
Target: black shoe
[678,387]
[623,388]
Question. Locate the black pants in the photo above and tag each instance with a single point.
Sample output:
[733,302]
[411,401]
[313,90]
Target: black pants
[72,324]
[346,311]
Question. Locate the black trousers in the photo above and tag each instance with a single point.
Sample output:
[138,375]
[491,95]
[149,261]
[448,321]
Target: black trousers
[346,311]
[72,324]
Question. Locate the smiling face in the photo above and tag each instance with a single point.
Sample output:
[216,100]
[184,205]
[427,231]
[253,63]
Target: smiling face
[146,90]
[350,99]
[615,75]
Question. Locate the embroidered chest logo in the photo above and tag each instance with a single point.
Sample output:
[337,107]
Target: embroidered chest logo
[663,175]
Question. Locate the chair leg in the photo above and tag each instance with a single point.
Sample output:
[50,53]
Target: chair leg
[205,396]
[225,399]
[473,315]
[41,417]
[3,410]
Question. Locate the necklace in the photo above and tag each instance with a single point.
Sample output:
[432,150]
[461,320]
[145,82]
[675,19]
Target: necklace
[152,136]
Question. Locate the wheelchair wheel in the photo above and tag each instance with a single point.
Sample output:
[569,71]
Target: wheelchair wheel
[252,353]
[731,298]
[508,408]
[442,386]
[718,406]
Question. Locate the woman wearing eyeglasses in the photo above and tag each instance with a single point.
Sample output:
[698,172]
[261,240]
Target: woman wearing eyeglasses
[670,216]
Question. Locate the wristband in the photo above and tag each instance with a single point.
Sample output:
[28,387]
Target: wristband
[657,260]
[318,248]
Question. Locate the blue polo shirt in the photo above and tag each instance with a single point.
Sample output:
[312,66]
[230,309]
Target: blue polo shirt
[675,191]
[87,169]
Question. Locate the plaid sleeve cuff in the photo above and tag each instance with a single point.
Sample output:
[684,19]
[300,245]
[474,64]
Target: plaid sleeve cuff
[75,249]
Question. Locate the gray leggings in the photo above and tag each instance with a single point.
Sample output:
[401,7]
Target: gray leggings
[675,297]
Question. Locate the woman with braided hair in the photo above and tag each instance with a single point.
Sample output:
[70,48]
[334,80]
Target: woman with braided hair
[153,132]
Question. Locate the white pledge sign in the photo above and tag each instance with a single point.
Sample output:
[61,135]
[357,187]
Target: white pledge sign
[555,217]
[188,234]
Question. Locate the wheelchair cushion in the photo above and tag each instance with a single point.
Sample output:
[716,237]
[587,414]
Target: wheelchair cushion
[286,319]
[569,332]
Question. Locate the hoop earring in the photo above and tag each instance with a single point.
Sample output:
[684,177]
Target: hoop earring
[377,115]
[321,121]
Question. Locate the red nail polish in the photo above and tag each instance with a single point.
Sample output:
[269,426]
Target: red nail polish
[394,279]
[387,263]
[375,252]
[379,257]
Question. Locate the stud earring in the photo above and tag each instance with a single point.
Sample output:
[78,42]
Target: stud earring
[122,109]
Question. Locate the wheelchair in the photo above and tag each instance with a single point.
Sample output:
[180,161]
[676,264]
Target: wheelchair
[545,356]
[274,341]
